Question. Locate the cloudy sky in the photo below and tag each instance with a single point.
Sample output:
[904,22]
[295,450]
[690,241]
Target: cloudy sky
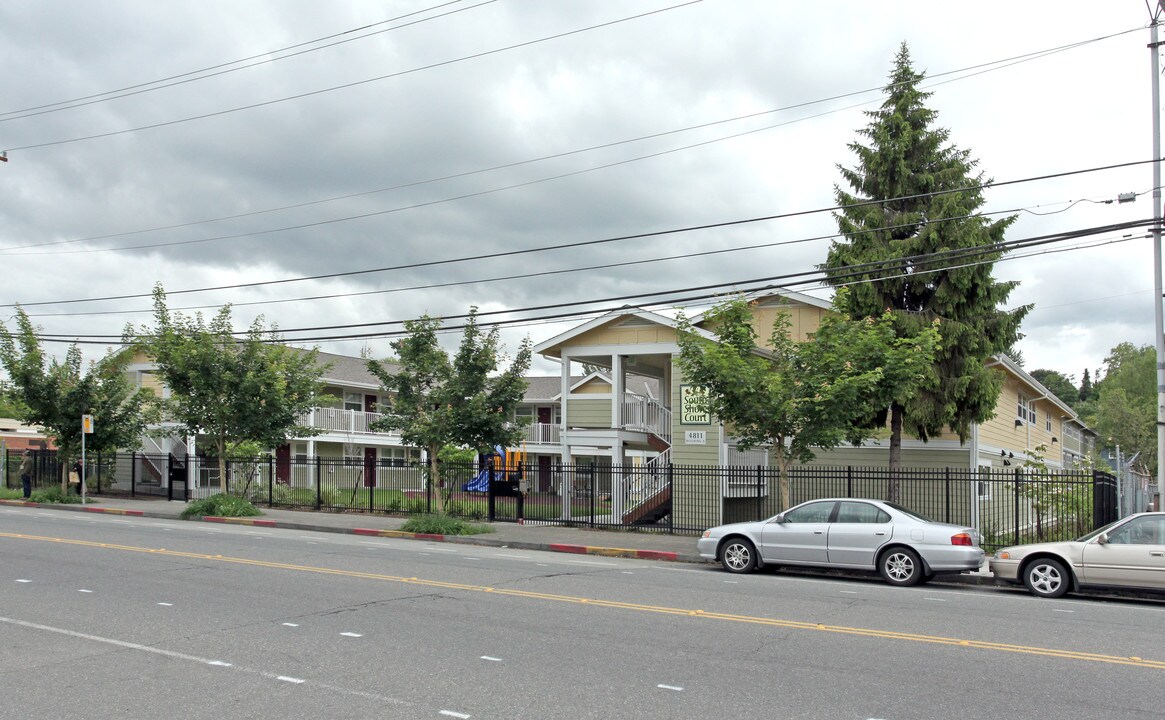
[431,155]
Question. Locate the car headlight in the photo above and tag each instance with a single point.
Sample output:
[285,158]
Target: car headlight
[1002,555]
[707,533]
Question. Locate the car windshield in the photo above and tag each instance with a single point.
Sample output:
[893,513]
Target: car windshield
[908,513]
[1094,533]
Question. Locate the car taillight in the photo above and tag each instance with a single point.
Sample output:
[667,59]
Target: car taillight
[961,539]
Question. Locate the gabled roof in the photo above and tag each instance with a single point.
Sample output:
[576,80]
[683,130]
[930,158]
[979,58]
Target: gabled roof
[548,389]
[1014,368]
[347,370]
[795,297]
[549,347]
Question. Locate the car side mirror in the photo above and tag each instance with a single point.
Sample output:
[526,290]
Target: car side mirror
[780,518]
[1102,539]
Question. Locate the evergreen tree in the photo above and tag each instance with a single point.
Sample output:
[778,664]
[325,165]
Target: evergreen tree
[914,245]
[1086,391]
[1058,384]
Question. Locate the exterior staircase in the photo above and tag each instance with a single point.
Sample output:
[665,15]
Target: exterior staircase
[647,493]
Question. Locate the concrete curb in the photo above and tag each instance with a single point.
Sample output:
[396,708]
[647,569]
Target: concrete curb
[979,578]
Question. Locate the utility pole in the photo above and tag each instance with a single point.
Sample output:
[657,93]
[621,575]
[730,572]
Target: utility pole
[1159,318]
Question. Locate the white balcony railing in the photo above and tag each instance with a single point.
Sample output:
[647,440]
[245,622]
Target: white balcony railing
[543,434]
[338,420]
[647,415]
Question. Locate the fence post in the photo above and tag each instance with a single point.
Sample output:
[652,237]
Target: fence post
[671,490]
[760,508]
[226,478]
[849,481]
[169,477]
[318,483]
[1015,485]
[133,474]
[271,480]
[947,491]
[489,489]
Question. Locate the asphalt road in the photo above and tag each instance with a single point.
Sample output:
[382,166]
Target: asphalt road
[103,616]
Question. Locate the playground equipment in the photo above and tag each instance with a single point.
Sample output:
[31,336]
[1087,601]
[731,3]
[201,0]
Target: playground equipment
[506,466]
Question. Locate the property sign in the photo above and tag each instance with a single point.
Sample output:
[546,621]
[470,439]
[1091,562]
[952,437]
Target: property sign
[691,410]
[87,424]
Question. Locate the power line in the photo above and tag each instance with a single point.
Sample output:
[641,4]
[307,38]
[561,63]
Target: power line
[542,273]
[858,273]
[356,83]
[587,243]
[183,78]
[998,64]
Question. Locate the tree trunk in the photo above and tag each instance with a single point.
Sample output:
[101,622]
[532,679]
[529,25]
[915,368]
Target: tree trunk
[783,462]
[436,484]
[896,413]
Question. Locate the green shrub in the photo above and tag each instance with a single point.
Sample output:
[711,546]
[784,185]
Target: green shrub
[443,525]
[53,495]
[220,505]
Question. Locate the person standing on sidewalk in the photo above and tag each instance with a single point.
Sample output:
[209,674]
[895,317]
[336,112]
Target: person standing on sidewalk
[26,473]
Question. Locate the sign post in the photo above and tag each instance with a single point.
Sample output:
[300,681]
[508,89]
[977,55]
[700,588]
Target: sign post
[86,429]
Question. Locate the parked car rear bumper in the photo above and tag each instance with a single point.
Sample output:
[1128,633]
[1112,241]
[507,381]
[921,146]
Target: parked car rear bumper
[953,558]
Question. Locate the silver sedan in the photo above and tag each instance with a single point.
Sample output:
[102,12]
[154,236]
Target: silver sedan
[904,547]
[1128,553]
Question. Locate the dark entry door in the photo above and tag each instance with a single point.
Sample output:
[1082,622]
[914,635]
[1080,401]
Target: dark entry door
[283,464]
[369,467]
[544,473]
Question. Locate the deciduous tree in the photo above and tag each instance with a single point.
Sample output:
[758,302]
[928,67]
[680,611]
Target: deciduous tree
[797,397]
[55,393]
[435,400]
[231,386]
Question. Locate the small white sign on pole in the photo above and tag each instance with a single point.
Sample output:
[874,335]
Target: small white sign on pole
[86,429]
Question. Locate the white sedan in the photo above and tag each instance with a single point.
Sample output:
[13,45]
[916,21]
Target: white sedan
[1129,553]
[855,534]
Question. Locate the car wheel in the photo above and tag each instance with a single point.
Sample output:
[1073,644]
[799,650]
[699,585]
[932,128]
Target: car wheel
[1046,578]
[738,556]
[901,566]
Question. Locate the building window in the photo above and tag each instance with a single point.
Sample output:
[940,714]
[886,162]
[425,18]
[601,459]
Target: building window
[524,412]
[1025,409]
[1049,424]
[353,401]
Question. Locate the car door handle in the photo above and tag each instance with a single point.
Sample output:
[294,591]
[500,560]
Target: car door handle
[1156,553]
[818,532]
[880,532]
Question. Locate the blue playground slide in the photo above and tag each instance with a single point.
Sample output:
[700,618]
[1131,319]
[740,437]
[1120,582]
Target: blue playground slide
[481,482]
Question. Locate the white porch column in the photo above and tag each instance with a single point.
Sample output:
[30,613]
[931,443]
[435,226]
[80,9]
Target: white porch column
[565,478]
[618,479]
[311,456]
[617,384]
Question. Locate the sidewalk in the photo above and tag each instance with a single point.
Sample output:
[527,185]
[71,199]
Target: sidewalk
[553,538]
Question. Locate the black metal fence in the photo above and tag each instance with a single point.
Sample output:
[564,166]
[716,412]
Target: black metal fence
[1007,507]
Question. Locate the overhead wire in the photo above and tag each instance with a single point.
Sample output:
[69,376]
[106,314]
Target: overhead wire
[541,273]
[861,272]
[209,72]
[998,64]
[589,243]
[357,83]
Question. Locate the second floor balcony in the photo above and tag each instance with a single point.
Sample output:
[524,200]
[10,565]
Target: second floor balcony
[542,434]
[339,420]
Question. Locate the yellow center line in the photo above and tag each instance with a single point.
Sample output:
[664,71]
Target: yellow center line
[615,604]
